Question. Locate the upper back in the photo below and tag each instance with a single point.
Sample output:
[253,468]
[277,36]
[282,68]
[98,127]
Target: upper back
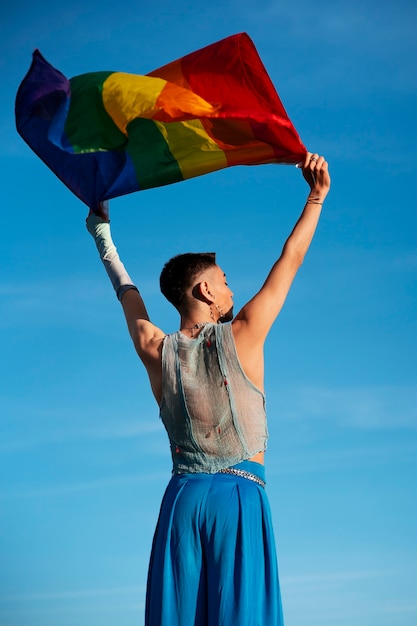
[213,413]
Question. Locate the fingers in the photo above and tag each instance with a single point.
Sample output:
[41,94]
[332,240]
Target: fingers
[313,160]
[309,168]
[315,170]
[318,166]
[307,160]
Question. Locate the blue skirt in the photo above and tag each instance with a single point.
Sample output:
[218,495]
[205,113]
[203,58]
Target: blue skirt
[213,560]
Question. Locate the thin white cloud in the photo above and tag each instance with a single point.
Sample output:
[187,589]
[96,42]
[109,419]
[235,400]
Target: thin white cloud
[126,431]
[72,594]
[332,577]
[372,407]
[401,608]
[344,591]
[72,426]
[306,462]
[91,485]
[37,295]
[78,297]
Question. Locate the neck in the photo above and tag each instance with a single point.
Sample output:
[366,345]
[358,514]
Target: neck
[193,329]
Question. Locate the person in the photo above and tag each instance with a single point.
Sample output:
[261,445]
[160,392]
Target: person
[213,559]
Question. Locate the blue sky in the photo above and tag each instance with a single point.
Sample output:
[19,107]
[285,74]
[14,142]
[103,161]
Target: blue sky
[84,460]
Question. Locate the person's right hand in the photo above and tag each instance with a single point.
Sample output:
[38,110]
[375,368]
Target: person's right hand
[316,173]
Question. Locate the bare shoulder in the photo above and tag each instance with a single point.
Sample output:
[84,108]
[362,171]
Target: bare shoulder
[148,340]
[145,335]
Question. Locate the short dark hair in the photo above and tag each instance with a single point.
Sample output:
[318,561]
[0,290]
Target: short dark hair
[178,273]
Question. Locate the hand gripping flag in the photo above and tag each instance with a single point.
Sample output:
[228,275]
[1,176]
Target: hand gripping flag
[106,134]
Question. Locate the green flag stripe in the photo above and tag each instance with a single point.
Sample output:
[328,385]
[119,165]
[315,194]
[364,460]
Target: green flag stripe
[89,128]
[153,161]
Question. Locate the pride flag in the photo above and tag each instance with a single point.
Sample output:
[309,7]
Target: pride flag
[106,134]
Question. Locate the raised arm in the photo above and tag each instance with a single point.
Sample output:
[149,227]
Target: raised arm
[253,322]
[146,336]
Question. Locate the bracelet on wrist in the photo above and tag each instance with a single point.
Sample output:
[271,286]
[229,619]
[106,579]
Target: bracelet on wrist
[314,201]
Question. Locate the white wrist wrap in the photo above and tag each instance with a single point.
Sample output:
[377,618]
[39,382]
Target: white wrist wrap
[100,231]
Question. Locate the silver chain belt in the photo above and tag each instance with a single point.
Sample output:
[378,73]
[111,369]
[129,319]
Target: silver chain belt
[243,474]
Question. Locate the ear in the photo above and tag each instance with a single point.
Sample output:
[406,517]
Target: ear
[202,292]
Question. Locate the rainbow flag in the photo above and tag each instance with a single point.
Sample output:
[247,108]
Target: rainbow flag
[106,134]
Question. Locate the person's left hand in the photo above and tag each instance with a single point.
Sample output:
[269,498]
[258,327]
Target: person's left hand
[102,210]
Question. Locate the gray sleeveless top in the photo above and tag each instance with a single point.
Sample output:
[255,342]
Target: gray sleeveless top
[214,415]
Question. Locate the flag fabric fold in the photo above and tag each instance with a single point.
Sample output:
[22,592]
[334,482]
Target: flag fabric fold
[106,134]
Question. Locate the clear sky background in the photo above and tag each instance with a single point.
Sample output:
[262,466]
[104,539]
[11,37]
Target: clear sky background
[83,457]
